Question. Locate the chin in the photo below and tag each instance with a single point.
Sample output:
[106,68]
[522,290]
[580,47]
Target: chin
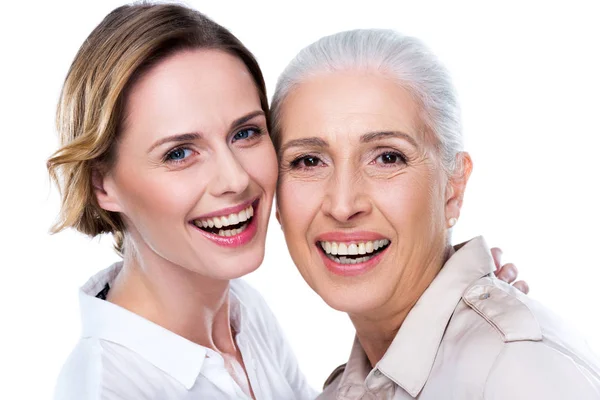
[238,266]
[358,299]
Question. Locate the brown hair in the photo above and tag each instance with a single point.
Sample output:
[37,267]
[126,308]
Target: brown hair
[125,45]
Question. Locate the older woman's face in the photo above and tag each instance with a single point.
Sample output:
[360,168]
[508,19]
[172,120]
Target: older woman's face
[196,170]
[361,198]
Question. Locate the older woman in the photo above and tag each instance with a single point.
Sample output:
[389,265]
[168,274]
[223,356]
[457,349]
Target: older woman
[372,179]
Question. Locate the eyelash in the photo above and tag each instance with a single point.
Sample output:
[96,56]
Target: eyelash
[295,164]
[402,158]
[168,160]
[257,133]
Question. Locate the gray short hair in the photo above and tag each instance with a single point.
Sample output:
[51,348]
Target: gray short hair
[404,57]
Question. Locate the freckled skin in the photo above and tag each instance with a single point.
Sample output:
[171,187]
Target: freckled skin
[351,185]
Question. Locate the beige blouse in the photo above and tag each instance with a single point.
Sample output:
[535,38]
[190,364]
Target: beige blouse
[472,336]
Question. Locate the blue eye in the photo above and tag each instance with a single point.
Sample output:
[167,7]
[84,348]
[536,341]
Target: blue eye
[178,154]
[246,134]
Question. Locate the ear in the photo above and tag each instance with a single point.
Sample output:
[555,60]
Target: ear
[105,191]
[457,183]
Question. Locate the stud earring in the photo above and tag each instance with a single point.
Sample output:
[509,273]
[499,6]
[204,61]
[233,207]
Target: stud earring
[452,222]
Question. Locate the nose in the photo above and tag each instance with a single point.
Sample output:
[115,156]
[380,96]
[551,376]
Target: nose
[229,177]
[345,197]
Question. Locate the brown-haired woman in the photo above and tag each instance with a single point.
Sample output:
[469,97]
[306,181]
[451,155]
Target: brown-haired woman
[163,124]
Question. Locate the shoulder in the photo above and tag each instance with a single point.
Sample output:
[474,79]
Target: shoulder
[535,352]
[503,308]
[100,370]
[79,377]
[516,317]
[540,371]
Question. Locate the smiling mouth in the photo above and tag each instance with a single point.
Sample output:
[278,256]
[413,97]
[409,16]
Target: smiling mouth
[227,225]
[353,252]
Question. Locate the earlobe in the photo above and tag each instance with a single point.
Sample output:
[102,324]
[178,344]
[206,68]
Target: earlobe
[106,196]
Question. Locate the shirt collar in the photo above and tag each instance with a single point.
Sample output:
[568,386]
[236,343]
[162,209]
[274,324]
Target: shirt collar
[173,354]
[409,359]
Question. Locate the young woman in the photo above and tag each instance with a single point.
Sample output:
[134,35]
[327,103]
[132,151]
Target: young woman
[163,120]
[163,123]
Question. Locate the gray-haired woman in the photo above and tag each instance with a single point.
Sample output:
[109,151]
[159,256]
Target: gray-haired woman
[372,178]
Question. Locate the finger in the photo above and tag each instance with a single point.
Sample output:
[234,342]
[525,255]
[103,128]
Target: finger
[497,256]
[507,273]
[522,286]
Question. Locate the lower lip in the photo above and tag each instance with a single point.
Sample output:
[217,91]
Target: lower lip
[351,269]
[238,240]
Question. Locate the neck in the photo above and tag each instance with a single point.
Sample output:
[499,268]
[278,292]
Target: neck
[182,301]
[377,329]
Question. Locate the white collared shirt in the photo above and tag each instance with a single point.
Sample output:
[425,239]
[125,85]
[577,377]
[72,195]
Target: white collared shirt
[124,356]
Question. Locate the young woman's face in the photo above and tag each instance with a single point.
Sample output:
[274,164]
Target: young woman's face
[195,170]
[361,195]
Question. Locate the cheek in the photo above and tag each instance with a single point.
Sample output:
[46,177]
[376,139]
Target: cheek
[154,195]
[261,165]
[298,202]
[412,204]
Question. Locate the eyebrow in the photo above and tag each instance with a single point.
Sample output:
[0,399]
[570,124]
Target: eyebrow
[304,142]
[380,135]
[246,118]
[182,137]
[188,137]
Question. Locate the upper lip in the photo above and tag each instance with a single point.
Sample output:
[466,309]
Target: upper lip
[229,210]
[358,236]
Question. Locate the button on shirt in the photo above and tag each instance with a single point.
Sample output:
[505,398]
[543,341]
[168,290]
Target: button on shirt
[471,336]
[124,356]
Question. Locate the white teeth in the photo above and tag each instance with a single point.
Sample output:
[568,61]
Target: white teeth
[334,248]
[342,249]
[353,249]
[226,220]
[349,261]
[232,232]
[361,248]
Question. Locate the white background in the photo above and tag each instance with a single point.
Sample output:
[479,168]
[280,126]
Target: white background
[528,79]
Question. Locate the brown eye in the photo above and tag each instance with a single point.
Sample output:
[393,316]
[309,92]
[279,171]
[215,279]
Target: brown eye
[310,161]
[306,162]
[390,158]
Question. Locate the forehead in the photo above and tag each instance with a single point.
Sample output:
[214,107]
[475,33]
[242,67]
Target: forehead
[346,104]
[190,90]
